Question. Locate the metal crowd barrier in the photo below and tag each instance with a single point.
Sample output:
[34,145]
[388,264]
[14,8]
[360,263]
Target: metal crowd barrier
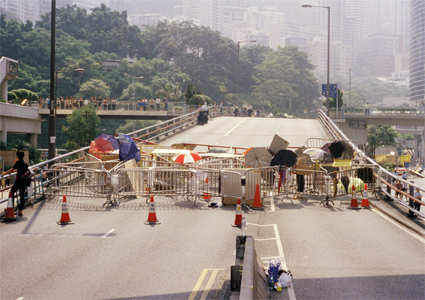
[382,175]
[34,191]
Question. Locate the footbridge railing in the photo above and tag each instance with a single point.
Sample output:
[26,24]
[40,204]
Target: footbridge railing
[385,179]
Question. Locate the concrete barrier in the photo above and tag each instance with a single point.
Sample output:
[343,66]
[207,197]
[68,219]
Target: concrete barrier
[253,283]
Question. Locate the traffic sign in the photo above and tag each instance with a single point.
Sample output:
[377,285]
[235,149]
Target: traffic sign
[333,90]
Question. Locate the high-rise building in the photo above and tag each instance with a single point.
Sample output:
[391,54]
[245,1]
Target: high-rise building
[207,13]
[211,14]
[89,4]
[141,20]
[377,54]
[401,23]
[357,17]
[45,6]
[23,9]
[417,52]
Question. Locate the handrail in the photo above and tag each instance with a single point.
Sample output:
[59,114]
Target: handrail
[327,122]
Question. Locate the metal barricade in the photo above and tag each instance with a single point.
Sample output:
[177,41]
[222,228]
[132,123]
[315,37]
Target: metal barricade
[343,180]
[184,183]
[267,180]
[231,187]
[310,182]
[80,182]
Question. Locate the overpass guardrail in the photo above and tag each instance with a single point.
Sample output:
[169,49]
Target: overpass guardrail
[376,110]
[382,176]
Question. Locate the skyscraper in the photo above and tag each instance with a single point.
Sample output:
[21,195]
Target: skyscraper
[417,52]
[23,9]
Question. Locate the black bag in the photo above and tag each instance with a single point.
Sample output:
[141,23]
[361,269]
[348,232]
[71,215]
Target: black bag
[27,178]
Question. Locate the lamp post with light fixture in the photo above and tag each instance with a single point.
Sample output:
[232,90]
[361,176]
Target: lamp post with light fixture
[52,117]
[239,42]
[132,80]
[329,39]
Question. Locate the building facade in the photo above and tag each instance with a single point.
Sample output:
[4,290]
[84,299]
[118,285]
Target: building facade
[417,52]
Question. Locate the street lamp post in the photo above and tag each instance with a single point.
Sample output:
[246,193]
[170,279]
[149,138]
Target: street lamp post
[79,71]
[239,42]
[132,80]
[52,117]
[329,55]
[349,86]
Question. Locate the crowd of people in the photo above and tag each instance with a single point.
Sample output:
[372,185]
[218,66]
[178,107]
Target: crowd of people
[244,111]
[105,103]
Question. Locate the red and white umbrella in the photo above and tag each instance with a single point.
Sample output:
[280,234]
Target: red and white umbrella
[187,156]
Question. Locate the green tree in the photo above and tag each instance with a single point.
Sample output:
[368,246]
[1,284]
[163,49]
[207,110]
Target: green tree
[191,91]
[332,102]
[140,91]
[95,88]
[169,88]
[381,135]
[209,59]
[22,94]
[200,99]
[138,124]
[12,37]
[81,127]
[285,83]
[104,29]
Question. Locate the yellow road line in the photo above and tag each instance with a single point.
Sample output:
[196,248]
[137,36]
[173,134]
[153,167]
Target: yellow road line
[198,284]
[209,284]
[207,287]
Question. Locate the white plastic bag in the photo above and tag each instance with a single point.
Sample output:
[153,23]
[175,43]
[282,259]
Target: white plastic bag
[285,279]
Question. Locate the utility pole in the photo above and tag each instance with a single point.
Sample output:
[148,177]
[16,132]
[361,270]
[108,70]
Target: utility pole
[52,116]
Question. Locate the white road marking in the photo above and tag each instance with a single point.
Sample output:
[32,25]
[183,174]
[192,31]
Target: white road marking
[108,233]
[416,236]
[20,298]
[227,133]
[272,207]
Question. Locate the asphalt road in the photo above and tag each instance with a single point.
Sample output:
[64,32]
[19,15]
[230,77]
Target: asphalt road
[250,132]
[333,253]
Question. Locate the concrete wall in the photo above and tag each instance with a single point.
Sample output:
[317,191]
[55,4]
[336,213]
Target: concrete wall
[358,134]
[5,76]
[19,119]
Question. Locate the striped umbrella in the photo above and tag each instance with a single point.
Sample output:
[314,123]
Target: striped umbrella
[187,156]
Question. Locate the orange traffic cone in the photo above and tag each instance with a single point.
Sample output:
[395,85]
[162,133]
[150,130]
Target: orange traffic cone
[10,214]
[65,219]
[257,199]
[354,203]
[207,195]
[152,220]
[365,199]
[238,219]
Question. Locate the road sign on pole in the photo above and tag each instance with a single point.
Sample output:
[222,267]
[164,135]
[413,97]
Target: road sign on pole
[333,90]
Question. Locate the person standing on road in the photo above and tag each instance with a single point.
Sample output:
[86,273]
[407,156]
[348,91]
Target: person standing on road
[417,195]
[21,167]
